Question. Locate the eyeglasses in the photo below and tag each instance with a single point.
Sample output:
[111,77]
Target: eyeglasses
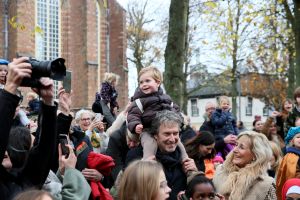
[210,109]
[85,119]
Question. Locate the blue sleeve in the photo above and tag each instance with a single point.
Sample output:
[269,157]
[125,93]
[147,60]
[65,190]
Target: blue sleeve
[218,118]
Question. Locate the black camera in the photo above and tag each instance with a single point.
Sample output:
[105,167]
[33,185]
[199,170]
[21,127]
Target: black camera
[54,69]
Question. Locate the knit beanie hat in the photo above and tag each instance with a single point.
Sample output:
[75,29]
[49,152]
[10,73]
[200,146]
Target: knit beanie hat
[218,159]
[290,135]
[289,187]
[3,62]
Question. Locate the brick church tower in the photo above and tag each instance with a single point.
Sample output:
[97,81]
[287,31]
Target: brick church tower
[89,34]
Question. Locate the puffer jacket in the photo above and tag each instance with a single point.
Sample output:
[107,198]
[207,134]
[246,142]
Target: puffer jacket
[224,124]
[152,103]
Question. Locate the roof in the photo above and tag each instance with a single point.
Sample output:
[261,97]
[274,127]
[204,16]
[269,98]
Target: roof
[221,84]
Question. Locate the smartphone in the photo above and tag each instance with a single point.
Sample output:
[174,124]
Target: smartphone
[67,81]
[63,140]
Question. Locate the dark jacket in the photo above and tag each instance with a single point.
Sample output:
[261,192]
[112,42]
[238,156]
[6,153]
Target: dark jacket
[108,94]
[291,119]
[63,127]
[37,166]
[152,103]
[207,126]
[82,146]
[172,167]
[219,143]
[118,149]
[186,134]
[224,123]
[34,107]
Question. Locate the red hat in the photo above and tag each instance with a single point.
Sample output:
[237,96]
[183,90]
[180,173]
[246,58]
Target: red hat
[288,184]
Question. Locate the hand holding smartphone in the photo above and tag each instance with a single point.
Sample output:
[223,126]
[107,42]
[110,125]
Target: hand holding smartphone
[67,82]
[63,140]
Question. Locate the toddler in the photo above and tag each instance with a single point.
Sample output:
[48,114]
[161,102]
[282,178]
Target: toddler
[289,166]
[225,127]
[147,101]
[107,98]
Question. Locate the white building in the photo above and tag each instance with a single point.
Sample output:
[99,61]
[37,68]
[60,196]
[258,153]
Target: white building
[250,107]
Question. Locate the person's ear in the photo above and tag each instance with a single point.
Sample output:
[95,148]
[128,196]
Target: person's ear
[155,137]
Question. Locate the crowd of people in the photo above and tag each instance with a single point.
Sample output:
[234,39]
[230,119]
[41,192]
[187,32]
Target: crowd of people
[148,151]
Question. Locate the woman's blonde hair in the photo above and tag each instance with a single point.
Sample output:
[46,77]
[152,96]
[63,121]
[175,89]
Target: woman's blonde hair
[277,153]
[260,147]
[155,73]
[111,77]
[140,181]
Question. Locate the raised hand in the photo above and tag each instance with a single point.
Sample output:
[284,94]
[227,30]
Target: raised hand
[17,70]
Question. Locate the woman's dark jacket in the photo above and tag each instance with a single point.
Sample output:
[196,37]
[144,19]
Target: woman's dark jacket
[37,166]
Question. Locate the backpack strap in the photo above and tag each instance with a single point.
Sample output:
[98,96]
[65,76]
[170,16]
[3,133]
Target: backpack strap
[139,105]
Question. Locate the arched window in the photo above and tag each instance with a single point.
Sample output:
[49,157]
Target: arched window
[48,42]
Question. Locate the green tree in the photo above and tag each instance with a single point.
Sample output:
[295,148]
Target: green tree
[144,52]
[233,23]
[293,16]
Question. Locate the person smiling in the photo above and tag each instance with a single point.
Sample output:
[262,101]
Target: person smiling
[243,176]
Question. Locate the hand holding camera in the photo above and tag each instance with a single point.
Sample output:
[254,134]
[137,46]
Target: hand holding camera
[18,69]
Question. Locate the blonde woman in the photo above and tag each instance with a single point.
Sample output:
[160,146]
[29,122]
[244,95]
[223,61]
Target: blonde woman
[243,175]
[144,179]
[107,98]
[276,159]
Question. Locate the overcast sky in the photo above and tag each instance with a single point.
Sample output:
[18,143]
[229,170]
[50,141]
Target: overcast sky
[158,9]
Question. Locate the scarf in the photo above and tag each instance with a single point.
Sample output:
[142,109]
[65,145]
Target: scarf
[104,164]
[239,180]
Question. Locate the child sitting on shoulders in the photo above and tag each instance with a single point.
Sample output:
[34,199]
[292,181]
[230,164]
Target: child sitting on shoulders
[289,166]
[146,102]
[225,127]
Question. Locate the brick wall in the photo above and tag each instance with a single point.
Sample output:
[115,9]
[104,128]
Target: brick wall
[78,46]
[118,63]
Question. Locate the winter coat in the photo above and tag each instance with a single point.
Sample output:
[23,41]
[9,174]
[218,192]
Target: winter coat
[224,124]
[82,145]
[172,166]
[37,166]
[247,183]
[186,134]
[108,94]
[152,103]
[288,168]
[71,186]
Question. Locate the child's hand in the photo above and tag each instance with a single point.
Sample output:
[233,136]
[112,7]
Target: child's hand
[139,128]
